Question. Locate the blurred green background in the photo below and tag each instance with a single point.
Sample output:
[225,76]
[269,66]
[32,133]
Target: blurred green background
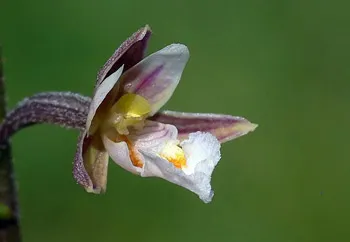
[281,64]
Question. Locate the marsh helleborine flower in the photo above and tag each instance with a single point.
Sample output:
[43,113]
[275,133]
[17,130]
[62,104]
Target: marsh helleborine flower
[124,123]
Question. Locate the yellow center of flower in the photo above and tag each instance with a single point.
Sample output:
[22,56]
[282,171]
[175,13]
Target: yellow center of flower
[174,154]
[130,110]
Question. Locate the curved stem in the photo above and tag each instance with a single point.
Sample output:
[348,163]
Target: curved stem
[65,109]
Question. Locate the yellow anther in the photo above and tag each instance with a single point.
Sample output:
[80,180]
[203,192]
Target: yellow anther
[132,106]
[129,110]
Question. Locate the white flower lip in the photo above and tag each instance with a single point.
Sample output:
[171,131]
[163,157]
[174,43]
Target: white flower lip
[203,154]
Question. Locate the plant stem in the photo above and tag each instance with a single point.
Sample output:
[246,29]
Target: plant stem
[9,214]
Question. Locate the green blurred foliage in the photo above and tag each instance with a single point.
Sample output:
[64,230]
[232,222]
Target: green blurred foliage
[281,64]
[5,211]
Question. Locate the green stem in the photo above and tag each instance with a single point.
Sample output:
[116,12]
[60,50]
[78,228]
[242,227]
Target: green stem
[9,215]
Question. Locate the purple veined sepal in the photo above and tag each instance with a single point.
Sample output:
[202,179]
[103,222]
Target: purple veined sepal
[223,127]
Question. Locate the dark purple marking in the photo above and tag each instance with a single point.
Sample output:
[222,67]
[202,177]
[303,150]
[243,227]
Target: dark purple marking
[149,78]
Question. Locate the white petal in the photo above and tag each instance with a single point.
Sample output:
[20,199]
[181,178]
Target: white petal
[153,136]
[101,93]
[156,77]
[203,153]
[119,153]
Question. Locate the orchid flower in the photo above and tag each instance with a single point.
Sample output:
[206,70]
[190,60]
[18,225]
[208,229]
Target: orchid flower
[124,122]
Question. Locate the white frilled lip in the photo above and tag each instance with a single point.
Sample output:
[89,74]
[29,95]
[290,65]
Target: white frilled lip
[202,151]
